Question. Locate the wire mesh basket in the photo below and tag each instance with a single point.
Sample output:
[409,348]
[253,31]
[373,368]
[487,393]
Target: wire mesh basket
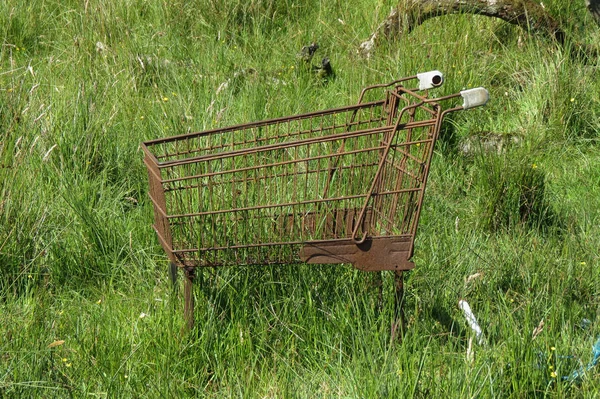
[343,185]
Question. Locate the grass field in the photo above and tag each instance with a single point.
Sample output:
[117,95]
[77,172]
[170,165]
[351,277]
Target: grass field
[86,307]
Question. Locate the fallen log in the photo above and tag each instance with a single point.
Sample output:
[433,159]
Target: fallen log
[593,7]
[527,14]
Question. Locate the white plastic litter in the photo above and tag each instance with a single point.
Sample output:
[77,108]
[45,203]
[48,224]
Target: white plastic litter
[464,305]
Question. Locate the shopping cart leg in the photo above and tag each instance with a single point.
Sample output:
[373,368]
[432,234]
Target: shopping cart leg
[188,310]
[173,275]
[398,323]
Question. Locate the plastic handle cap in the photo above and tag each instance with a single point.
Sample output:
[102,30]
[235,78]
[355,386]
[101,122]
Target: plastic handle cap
[429,80]
[474,97]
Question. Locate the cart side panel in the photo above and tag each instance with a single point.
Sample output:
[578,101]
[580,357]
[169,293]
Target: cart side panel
[157,195]
[273,196]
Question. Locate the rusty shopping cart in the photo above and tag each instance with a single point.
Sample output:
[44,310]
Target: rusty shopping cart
[343,185]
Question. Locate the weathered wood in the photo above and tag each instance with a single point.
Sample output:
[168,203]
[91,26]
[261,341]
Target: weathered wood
[593,7]
[528,14]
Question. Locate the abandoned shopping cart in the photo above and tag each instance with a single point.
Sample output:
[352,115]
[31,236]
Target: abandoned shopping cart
[343,185]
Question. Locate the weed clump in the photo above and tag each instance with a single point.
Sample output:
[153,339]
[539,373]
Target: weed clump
[512,194]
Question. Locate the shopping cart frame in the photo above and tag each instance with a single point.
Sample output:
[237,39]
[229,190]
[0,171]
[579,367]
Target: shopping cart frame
[208,212]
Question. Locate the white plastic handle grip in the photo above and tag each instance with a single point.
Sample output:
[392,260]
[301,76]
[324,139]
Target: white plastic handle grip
[429,80]
[474,97]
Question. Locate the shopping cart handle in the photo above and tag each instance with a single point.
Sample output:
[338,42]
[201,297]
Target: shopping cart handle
[474,97]
[429,80]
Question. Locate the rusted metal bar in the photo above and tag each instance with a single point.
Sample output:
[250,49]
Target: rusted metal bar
[251,208]
[188,307]
[267,122]
[173,269]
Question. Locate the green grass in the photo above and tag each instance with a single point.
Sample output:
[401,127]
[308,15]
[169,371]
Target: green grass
[83,83]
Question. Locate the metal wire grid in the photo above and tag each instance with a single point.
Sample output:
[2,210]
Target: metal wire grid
[255,193]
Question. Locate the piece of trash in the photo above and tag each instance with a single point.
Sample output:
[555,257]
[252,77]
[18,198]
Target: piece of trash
[537,330]
[325,70]
[56,343]
[464,305]
[100,47]
[580,372]
[307,52]
[142,315]
[366,47]
[585,324]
